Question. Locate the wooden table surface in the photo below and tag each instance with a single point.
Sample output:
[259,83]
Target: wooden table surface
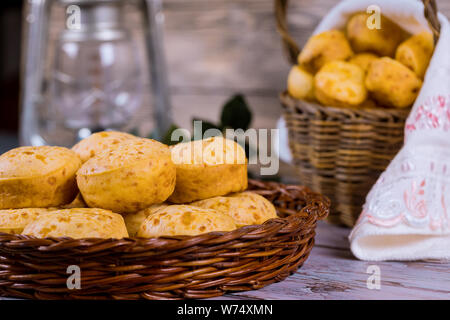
[217,48]
[332,272]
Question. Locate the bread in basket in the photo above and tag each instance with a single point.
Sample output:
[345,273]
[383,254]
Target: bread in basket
[340,146]
[184,251]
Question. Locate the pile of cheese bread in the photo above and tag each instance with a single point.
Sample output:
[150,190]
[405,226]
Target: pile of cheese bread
[364,65]
[116,185]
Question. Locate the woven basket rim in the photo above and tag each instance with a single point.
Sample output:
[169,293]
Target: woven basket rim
[340,152]
[316,204]
[359,111]
[202,266]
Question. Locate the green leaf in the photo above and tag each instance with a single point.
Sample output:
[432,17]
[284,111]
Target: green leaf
[205,126]
[167,138]
[152,135]
[134,132]
[236,113]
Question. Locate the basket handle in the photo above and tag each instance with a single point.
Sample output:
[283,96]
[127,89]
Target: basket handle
[292,49]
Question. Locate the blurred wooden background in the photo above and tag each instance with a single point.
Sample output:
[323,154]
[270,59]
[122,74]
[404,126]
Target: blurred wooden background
[214,49]
[218,47]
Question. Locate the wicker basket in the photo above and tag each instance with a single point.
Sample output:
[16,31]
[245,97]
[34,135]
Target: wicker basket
[201,266]
[340,152]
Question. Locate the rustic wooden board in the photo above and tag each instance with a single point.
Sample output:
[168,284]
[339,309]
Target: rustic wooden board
[332,272]
[237,49]
[216,48]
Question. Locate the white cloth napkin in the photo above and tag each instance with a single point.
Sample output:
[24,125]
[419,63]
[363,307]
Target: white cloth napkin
[407,213]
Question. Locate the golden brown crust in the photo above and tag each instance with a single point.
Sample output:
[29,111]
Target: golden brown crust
[201,183]
[201,177]
[392,84]
[382,42]
[15,220]
[324,47]
[340,83]
[245,208]
[300,84]
[78,202]
[363,60]
[134,220]
[135,175]
[98,142]
[38,177]
[184,220]
[78,223]
[416,52]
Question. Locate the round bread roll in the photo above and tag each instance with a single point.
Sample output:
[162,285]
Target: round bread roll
[129,178]
[340,84]
[78,202]
[369,104]
[381,41]
[178,220]
[324,47]
[300,84]
[363,60]
[134,220]
[78,223]
[245,207]
[392,84]
[15,220]
[37,177]
[208,168]
[416,52]
[98,142]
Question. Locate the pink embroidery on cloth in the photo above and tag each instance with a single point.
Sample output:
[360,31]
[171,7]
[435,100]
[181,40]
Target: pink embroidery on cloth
[387,223]
[434,113]
[414,201]
[412,190]
[412,210]
[436,223]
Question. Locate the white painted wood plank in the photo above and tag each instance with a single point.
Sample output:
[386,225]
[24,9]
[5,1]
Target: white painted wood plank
[332,272]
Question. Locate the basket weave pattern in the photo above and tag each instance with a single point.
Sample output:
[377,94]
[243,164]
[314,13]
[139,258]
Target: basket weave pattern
[200,266]
[340,152]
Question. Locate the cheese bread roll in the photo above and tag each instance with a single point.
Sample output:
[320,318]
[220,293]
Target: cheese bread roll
[245,208]
[324,47]
[363,60]
[177,220]
[392,84]
[15,220]
[78,202]
[129,178]
[134,220]
[340,84]
[98,142]
[38,177]
[78,223]
[300,83]
[208,168]
[382,41]
[416,52]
